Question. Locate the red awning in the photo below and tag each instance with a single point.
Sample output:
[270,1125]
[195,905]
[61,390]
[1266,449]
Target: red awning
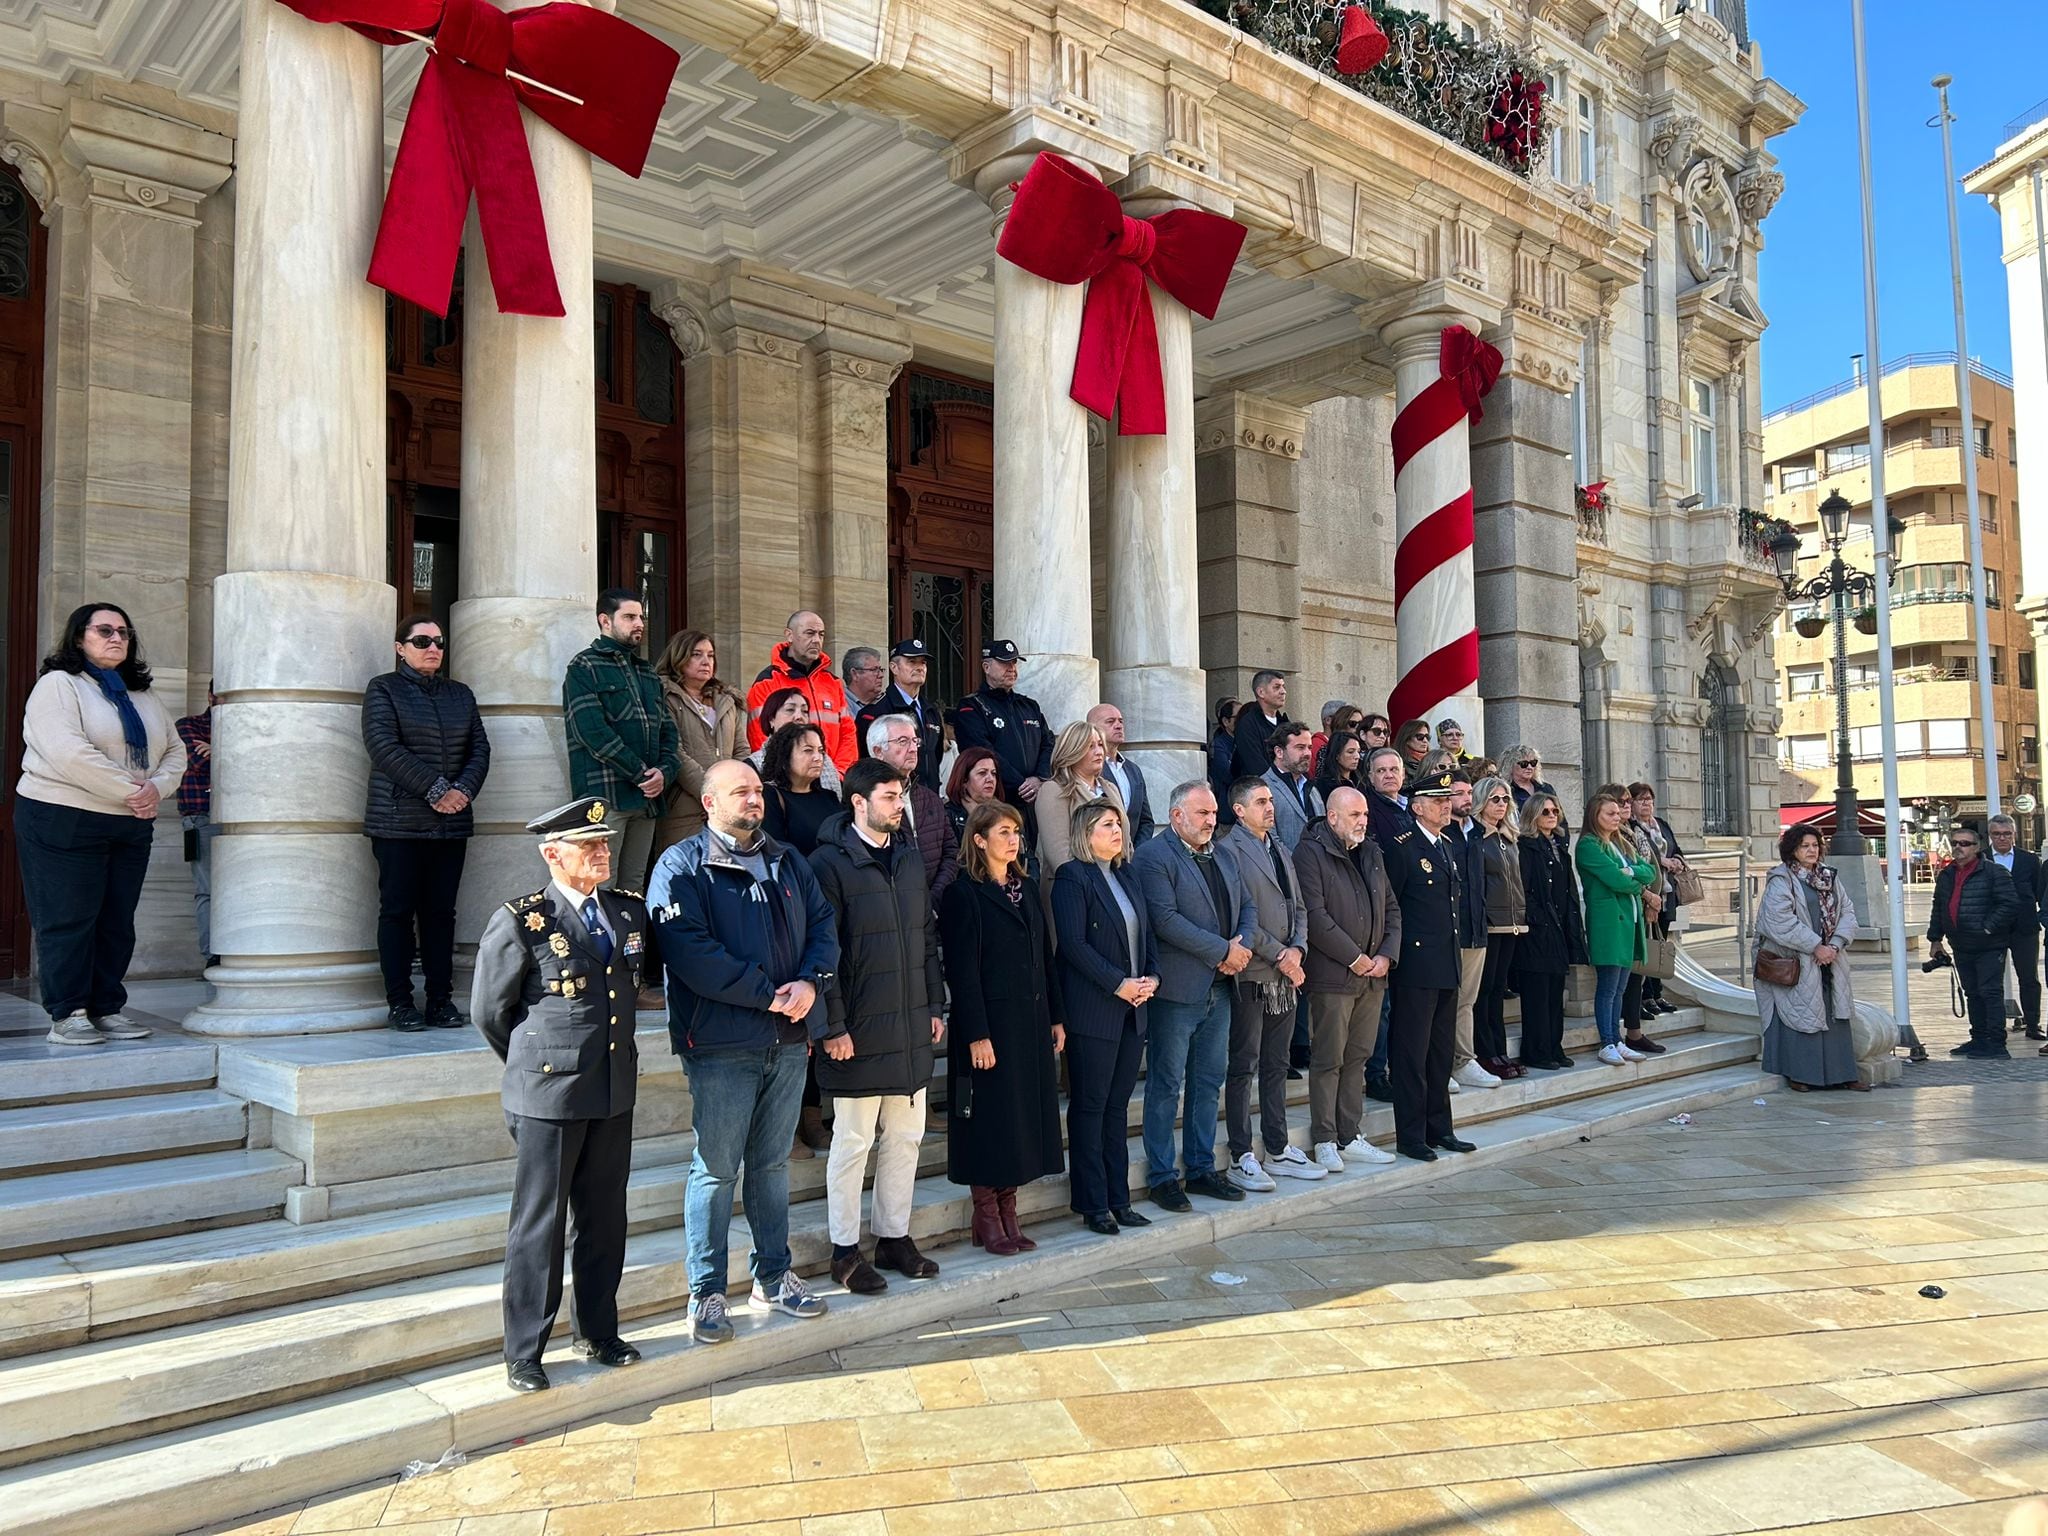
[1869,820]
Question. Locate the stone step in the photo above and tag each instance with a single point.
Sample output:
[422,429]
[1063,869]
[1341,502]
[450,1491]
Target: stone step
[109,1291]
[42,1138]
[32,1071]
[104,1392]
[51,1212]
[175,1480]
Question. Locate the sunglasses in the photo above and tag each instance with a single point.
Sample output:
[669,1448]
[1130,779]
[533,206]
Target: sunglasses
[112,631]
[426,642]
[1498,799]
[1530,762]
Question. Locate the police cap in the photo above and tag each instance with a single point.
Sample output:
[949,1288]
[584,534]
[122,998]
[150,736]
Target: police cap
[574,822]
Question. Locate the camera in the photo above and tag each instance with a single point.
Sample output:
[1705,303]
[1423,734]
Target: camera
[1936,961]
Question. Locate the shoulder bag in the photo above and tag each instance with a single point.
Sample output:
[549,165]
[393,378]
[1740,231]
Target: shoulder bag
[1687,889]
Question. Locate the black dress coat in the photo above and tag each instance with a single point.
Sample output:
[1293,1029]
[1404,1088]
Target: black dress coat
[1094,948]
[1556,940]
[1005,989]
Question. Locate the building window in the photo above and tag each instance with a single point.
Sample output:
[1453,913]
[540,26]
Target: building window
[1721,754]
[1559,139]
[2026,663]
[1948,738]
[1706,478]
[1983,436]
[1988,506]
[1706,245]
[1582,136]
[1796,477]
[1582,426]
[2012,445]
[1842,457]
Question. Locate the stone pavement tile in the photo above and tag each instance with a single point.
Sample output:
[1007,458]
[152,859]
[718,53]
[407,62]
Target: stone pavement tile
[512,1480]
[1221,1490]
[348,1510]
[1509,1507]
[1199,1524]
[1322,1480]
[2019,1449]
[1810,1484]
[1039,1375]
[1483,1463]
[1984,1519]
[959,1436]
[1650,1446]
[634,1517]
[1917,1524]
[1130,1419]
[734,1458]
[869,1522]
[832,1496]
[1385,1398]
[1250,1452]
[526,1522]
[688,1414]
[756,1402]
[948,1384]
[990,1517]
[1971,1478]
[1356,1514]
[827,1450]
[1087,1469]
[277,1522]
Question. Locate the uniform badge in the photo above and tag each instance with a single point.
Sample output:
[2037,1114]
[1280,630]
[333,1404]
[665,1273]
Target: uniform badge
[535,921]
[996,721]
[559,945]
[634,945]
[596,812]
[1427,867]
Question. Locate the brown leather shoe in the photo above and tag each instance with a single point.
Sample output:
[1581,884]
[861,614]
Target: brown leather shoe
[1006,1203]
[901,1255]
[858,1275]
[798,1152]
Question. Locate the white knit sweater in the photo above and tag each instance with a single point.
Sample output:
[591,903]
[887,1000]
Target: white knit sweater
[73,752]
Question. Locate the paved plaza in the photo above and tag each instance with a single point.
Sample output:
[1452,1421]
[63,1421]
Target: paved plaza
[1670,1331]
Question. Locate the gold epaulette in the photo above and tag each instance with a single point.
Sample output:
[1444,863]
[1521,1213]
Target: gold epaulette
[1402,837]
[521,903]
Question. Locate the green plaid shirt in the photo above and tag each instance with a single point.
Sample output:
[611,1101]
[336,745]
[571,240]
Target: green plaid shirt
[619,726]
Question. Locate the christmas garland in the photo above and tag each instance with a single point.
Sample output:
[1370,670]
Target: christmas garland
[1480,94]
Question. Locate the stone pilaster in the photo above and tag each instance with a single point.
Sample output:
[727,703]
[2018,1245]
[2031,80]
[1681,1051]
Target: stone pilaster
[1248,451]
[302,615]
[213,309]
[857,359]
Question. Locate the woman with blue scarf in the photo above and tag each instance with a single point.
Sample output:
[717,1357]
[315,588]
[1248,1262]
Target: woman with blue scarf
[99,755]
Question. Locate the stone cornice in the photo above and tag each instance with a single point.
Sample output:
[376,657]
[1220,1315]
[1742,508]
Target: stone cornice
[142,161]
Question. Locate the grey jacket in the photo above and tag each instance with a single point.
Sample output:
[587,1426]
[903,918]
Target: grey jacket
[1784,926]
[1184,919]
[1282,918]
[1288,821]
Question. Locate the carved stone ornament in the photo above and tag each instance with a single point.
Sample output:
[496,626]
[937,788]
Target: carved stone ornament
[1756,193]
[685,323]
[1762,627]
[35,171]
[1672,139]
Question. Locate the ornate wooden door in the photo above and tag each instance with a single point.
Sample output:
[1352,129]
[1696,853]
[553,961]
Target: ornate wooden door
[942,522]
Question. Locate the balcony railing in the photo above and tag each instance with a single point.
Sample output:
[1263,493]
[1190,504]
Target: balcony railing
[1753,534]
[2038,112]
[1896,365]
[1593,525]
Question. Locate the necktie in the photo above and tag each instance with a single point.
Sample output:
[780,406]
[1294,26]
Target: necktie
[600,940]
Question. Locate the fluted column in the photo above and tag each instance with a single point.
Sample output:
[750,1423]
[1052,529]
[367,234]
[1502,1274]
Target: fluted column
[529,523]
[302,615]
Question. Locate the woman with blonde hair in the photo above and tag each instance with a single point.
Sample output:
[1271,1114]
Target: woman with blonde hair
[1507,919]
[1078,755]
[711,723]
[1617,882]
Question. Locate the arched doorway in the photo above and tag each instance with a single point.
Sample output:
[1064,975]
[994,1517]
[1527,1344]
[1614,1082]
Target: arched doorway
[942,523]
[639,490]
[24,260]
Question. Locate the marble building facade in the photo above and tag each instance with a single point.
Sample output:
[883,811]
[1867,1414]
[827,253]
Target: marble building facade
[819,216]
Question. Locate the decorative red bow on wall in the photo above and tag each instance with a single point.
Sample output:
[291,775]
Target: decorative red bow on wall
[1470,364]
[600,80]
[1067,227]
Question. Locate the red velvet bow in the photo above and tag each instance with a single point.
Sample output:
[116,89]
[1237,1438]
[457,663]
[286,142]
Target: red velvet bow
[463,133]
[1471,364]
[1360,42]
[1067,227]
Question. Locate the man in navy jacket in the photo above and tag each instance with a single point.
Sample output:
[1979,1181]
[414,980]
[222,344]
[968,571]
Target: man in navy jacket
[2025,948]
[749,942]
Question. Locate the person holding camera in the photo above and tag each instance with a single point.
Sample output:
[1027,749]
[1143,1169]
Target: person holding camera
[1804,923]
[1971,922]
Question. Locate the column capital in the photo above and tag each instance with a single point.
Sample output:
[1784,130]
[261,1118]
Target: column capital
[1539,349]
[684,311]
[1410,327]
[1237,419]
[990,159]
[142,162]
[1157,183]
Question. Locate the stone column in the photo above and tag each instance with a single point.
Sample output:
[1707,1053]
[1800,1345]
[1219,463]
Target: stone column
[529,524]
[1248,503]
[302,614]
[858,357]
[1041,436]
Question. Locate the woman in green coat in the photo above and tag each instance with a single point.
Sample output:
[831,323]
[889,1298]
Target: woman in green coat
[1614,878]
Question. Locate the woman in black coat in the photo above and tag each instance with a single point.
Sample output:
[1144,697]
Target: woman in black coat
[1002,1081]
[1107,976]
[1556,940]
[428,757]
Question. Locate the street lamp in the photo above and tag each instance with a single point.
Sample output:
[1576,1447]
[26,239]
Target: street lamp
[1837,585]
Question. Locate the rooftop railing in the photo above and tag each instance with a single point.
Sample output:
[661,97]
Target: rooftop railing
[1896,365]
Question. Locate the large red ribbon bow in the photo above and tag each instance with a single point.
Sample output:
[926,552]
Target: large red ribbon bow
[1470,364]
[1067,227]
[463,133]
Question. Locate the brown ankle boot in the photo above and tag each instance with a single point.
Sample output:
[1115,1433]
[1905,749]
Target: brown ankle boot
[798,1152]
[812,1130]
[988,1223]
[1006,1204]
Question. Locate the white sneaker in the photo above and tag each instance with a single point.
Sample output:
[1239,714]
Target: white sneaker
[1473,1075]
[1611,1054]
[1359,1150]
[1328,1158]
[1294,1164]
[1246,1173]
[118,1026]
[75,1030]
[1453,1085]
[1630,1053]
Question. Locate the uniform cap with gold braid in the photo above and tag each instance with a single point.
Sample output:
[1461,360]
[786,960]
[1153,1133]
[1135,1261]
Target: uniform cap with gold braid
[1438,783]
[577,821]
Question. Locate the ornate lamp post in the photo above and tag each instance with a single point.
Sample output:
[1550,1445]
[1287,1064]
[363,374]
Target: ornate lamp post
[1837,585]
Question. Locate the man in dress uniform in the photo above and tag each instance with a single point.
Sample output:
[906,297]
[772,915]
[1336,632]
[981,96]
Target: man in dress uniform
[1422,868]
[909,661]
[1010,725]
[556,975]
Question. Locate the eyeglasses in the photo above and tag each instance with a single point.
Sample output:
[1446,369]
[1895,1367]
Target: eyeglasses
[112,631]
[900,741]
[426,642]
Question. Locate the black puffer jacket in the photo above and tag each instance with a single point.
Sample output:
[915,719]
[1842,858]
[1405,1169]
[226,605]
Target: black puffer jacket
[1984,917]
[425,737]
[888,986]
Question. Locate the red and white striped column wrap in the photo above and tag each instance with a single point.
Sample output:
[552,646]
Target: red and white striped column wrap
[1437,394]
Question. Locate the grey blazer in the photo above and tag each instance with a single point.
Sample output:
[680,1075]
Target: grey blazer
[1184,921]
[1288,821]
[1283,919]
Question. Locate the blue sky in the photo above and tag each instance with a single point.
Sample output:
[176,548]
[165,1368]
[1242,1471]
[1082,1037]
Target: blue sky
[1812,286]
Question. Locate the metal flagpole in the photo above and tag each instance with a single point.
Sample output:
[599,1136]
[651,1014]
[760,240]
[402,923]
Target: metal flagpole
[1986,705]
[1881,540]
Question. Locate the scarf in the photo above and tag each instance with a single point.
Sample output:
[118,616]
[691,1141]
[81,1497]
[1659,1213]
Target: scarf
[1013,887]
[115,692]
[1821,881]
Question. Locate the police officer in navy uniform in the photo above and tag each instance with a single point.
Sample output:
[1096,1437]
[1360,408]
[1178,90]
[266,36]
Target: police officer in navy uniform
[557,972]
[1422,868]
[909,664]
[1009,724]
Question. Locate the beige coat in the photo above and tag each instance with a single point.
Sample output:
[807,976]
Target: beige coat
[1784,926]
[73,753]
[1055,809]
[699,746]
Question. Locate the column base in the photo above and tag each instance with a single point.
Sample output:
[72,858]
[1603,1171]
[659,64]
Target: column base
[256,1000]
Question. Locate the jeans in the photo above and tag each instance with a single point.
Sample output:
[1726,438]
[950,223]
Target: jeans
[1611,982]
[1187,1043]
[82,874]
[203,830]
[417,881]
[743,1107]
